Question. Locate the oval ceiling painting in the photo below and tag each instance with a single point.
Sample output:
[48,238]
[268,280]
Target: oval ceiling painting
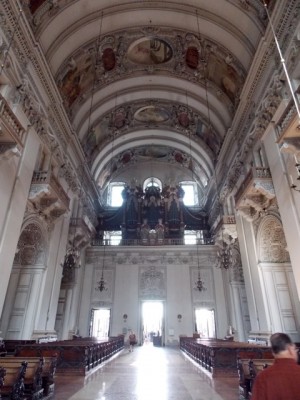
[150,52]
[151,114]
[108,59]
[192,57]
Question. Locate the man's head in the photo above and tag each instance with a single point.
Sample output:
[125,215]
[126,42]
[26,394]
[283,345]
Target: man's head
[283,346]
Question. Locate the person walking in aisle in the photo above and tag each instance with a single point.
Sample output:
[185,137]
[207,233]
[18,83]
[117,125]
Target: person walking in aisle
[132,340]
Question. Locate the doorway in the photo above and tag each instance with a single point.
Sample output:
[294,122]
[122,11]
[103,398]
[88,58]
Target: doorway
[100,322]
[205,322]
[152,323]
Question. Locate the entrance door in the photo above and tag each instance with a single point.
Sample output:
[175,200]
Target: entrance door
[152,323]
[100,321]
[205,322]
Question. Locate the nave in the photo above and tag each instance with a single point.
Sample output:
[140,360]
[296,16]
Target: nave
[156,373]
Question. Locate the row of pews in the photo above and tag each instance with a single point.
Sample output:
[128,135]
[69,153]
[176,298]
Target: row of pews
[28,368]
[219,356]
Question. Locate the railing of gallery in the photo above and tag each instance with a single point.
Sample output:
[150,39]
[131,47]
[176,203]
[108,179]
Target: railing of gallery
[143,242]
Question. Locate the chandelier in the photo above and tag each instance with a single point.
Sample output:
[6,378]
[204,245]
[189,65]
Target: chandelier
[224,257]
[72,258]
[199,284]
[102,284]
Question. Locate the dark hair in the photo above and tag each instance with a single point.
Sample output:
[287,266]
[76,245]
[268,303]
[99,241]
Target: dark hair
[280,342]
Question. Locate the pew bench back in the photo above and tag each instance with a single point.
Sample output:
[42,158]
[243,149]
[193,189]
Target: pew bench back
[13,378]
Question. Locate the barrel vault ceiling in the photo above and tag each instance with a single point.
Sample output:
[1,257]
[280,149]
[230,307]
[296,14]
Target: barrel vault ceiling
[150,87]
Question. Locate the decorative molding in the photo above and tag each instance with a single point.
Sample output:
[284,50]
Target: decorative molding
[271,242]
[152,282]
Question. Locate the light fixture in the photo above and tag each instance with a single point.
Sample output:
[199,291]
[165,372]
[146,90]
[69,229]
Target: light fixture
[102,284]
[224,256]
[71,259]
[199,284]
[72,256]
[125,316]
[179,317]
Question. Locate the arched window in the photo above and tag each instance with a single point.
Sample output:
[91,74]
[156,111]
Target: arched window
[114,194]
[152,181]
[190,193]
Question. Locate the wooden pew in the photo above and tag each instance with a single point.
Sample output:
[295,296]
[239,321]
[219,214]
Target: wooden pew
[13,379]
[33,375]
[248,369]
[2,349]
[11,344]
[2,375]
[75,357]
[220,356]
[48,374]
[244,377]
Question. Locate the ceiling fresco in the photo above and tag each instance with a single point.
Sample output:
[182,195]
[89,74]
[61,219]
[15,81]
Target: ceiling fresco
[158,115]
[149,81]
[127,53]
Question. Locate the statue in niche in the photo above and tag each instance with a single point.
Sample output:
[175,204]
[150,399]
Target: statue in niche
[160,231]
[145,229]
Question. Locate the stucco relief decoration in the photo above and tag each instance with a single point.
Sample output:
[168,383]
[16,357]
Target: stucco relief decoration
[271,241]
[167,50]
[236,273]
[152,282]
[177,117]
[31,247]
[150,51]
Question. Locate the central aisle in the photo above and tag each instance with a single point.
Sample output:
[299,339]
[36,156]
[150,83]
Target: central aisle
[148,373]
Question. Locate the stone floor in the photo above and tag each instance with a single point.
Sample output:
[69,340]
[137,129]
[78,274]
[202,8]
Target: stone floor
[148,373]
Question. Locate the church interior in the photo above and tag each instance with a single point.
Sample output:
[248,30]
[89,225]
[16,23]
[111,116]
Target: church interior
[149,170]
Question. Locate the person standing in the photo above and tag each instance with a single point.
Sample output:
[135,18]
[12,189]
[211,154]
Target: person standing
[132,340]
[279,381]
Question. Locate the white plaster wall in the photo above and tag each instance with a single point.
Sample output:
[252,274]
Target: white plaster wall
[123,295]
[283,311]
[17,194]
[282,166]
[58,237]
[258,313]
[126,300]
[178,302]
